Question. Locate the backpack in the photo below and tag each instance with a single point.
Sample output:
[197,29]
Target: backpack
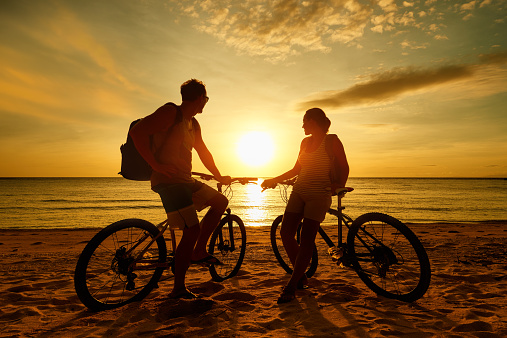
[335,169]
[133,165]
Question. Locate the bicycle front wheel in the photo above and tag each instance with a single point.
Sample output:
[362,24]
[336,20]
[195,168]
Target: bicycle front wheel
[228,245]
[109,274]
[388,257]
[279,250]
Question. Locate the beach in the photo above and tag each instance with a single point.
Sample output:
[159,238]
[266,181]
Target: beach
[466,298]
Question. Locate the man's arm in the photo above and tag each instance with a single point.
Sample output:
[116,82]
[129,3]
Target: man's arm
[206,157]
[161,120]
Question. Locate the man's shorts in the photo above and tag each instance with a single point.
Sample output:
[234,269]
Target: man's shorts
[312,207]
[182,201]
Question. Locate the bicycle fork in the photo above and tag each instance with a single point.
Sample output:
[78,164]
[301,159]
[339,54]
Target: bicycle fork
[228,244]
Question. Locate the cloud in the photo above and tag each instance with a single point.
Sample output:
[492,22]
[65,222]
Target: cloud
[278,29]
[391,84]
[286,27]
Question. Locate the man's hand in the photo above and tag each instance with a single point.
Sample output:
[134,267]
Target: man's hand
[225,180]
[269,184]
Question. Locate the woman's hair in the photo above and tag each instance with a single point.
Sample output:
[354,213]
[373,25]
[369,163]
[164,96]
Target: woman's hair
[320,117]
[192,89]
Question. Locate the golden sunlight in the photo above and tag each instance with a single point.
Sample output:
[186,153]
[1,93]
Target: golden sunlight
[255,148]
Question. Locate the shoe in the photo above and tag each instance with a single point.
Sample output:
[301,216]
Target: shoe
[207,261]
[185,294]
[303,283]
[286,296]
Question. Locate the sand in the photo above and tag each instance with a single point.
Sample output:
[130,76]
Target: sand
[467,296]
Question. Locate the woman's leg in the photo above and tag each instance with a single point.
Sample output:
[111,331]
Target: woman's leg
[290,223]
[304,255]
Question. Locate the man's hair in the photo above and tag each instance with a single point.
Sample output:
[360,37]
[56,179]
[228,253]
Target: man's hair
[320,117]
[192,89]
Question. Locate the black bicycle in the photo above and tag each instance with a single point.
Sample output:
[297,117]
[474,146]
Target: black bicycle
[384,252]
[124,261]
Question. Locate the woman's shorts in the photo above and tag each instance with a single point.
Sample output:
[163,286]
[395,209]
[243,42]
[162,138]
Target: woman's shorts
[312,207]
[182,201]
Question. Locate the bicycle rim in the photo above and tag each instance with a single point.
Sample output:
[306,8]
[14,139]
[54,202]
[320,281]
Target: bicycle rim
[279,250]
[228,244]
[388,257]
[107,275]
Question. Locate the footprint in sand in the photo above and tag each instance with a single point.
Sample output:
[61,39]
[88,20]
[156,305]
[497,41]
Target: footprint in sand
[236,295]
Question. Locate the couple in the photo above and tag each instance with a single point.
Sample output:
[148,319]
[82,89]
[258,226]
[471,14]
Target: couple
[166,138]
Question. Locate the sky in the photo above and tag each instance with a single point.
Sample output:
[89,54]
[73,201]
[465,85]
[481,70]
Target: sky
[412,88]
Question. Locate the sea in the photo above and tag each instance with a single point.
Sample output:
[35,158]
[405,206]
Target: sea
[75,203]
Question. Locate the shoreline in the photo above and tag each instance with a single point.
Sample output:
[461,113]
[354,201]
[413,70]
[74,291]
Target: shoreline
[466,298]
[417,224]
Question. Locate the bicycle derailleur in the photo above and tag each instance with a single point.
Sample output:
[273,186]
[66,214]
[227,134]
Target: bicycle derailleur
[122,265]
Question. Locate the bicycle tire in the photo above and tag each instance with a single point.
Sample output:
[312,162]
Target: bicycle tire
[388,257]
[104,279]
[281,255]
[228,250]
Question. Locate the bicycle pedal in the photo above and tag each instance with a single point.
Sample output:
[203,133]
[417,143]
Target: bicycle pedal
[335,253]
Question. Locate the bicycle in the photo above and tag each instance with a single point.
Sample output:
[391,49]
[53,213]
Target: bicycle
[124,261]
[386,255]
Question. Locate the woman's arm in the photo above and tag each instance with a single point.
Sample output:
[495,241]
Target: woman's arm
[271,183]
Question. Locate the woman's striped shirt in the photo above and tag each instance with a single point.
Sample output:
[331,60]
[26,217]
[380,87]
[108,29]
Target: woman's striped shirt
[313,179]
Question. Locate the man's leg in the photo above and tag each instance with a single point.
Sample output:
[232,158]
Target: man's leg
[217,204]
[182,259]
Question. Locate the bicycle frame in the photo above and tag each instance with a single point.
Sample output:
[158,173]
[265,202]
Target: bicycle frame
[139,258]
[163,227]
[343,219]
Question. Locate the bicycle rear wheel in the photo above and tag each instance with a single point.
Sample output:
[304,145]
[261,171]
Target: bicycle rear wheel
[228,244]
[388,257]
[107,275]
[279,250]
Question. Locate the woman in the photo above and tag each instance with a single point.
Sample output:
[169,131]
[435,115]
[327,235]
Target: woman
[311,196]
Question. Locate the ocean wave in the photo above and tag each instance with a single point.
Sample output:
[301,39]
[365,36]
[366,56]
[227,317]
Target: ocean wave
[91,207]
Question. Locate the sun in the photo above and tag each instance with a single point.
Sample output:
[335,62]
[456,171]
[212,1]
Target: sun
[255,148]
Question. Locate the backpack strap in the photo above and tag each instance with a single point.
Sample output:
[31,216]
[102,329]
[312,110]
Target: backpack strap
[179,113]
[178,119]
[329,145]
[333,174]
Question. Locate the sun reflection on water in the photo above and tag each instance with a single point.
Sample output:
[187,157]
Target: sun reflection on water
[255,203]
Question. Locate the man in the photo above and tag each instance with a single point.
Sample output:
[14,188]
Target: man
[174,132]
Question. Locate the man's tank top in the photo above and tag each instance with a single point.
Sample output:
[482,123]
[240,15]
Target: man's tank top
[313,179]
[177,150]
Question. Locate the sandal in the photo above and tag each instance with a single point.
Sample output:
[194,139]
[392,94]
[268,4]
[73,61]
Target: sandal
[207,261]
[185,294]
[303,283]
[286,296]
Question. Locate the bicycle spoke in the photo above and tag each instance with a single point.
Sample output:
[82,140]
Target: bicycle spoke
[228,244]
[106,274]
[388,257]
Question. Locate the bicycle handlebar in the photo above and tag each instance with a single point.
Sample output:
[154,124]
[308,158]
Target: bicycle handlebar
[338,191]
[209,177]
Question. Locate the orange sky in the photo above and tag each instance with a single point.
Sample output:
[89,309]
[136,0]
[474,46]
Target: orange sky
[413,88]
